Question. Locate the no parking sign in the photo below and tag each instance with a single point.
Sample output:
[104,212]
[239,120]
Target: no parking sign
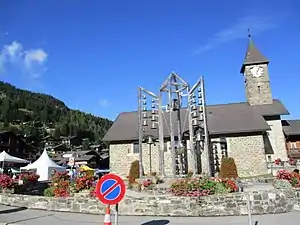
[110,189]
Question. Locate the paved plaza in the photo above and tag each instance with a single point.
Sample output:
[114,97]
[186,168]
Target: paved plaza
[23,216]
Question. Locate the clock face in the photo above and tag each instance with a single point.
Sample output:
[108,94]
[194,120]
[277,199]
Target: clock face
[256,71]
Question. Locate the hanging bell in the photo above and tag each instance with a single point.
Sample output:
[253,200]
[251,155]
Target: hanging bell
[145,115]
[154,126]
[201,117]
[194,114]
[145,123]
[194,107]
[194,122]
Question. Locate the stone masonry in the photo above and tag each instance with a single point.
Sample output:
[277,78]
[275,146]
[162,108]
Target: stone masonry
[121,157]
[248,152]
[258,89]
[277,140]
[265,202]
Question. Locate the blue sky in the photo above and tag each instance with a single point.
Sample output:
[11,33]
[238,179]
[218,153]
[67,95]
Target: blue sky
[94,54]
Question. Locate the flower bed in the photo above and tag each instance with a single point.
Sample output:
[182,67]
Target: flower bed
[62,186]
[28,181]
[6,182]
[286,179]
[197,186]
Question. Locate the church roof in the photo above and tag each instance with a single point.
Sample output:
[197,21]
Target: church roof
[224,119]
[253,56]
[291,127]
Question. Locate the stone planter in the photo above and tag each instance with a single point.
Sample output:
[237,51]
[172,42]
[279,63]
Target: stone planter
[7,190]
[83,193]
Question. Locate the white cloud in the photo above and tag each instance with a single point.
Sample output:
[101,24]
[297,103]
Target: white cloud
[238,30]
[103,102]
[31,61]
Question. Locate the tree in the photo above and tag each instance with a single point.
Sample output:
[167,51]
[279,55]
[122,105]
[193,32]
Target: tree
[56,133]
[85,145]
[26,106]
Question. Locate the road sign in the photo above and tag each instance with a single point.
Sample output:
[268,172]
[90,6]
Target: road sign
[110,189]
[71,161]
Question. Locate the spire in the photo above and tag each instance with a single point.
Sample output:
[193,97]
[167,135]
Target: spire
[253,55]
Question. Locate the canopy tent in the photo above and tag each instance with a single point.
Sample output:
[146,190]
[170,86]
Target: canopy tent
[5,157]
[44,167]
[85,168]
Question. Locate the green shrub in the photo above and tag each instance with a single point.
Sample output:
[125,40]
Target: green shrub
[220,188]
[134,172]
[228,168]
[49,192]
[282,184]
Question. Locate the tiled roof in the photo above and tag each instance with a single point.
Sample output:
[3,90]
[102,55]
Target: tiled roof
[222,119]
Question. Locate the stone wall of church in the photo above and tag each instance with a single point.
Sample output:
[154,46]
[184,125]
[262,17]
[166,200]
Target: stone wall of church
[249,154]
[122,155]
[277,140]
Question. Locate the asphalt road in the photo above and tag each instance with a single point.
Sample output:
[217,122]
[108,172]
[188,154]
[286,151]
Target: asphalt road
[22,216]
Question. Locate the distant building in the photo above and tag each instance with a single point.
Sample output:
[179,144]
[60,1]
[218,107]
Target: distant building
[72,141]
[16,146]
[251,132]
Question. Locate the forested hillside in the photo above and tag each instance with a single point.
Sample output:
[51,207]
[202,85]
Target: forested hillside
[32,113]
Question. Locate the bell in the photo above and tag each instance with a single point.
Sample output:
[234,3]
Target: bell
[145,123]
[200,108]
[145,115]
[201,117]
[199,95]
[153,118]
[154,126]
[199,89]
[144,97]
[144,102]
[153,106]
[194,114]
[154,111]
[194,107]
[194,122]
[200,102]
[145,108]
[153,101]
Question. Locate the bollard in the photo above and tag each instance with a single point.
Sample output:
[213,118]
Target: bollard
[249,209]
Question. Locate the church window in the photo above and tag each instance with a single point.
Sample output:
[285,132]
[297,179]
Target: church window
[136,148]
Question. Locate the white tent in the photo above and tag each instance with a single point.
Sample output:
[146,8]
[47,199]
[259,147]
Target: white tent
[44,166]
[5,157]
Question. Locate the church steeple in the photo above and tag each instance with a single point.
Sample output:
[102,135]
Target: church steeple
[253,55]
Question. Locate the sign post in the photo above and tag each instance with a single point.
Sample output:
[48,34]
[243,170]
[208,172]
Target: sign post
[110,190]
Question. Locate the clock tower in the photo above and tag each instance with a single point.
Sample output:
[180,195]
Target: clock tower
[256,76]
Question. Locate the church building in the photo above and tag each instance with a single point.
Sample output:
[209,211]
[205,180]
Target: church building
[252,132]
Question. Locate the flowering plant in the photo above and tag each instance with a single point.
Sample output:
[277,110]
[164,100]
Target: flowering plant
[293,178]
[197,186]
[278,161]
[61,184]
[292,162]
[29,176]
[84,183]
[6,181]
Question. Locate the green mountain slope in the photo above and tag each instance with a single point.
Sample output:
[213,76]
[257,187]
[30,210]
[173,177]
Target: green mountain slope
[31,113]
